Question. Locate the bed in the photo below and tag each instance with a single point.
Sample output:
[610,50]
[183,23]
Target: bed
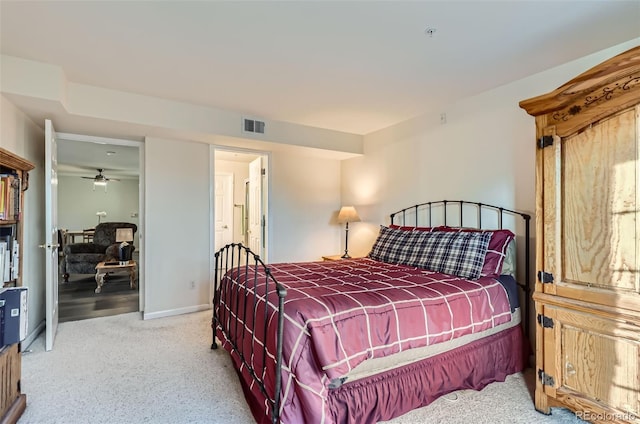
[434,308]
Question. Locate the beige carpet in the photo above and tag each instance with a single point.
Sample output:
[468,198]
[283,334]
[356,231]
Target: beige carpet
[120,369]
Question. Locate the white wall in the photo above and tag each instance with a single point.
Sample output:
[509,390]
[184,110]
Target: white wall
[23,137]
[78,203]
[304,197]
[304,200]
[176,227]
[485,152]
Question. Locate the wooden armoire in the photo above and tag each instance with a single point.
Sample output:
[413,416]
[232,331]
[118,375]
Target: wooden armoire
[587,293]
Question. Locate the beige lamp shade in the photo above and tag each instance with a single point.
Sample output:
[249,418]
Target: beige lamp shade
[348,214]
[124,234]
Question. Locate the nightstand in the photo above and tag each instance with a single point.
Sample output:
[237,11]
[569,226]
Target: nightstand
[332,258]
[337,257]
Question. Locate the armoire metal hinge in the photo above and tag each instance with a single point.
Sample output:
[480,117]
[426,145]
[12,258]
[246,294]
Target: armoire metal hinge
[545,277]
[545,321]
[545,141]
[545,378]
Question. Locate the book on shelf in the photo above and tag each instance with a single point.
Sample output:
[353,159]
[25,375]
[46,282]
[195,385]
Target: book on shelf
[3,253]
[3,197]
[10,191]
[17,192]
[5,266]
[15,260]
[10,261]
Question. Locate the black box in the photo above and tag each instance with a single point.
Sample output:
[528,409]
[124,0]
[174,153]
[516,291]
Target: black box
[13,315]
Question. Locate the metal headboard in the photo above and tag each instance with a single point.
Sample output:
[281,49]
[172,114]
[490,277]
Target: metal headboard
[456,213]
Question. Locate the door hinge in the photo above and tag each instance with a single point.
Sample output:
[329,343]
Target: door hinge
[545,277]
[545,321]
[263,171]
[545,378]
[545,141]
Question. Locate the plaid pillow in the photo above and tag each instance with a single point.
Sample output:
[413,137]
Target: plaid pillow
[456,253]
[496,252]
[389,246]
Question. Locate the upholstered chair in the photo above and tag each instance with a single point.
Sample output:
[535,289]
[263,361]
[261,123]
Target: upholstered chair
[82,258]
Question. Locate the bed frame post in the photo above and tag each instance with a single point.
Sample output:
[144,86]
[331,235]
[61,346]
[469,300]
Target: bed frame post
[214,345]
[275,412]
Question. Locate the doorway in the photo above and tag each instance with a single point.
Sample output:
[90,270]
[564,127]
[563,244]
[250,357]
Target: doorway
[241,195]
[98,182]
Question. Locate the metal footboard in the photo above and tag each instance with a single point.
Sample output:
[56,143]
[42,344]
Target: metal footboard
[256,280]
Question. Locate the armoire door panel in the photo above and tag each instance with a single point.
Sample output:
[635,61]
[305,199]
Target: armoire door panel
[598,358]
[599,204]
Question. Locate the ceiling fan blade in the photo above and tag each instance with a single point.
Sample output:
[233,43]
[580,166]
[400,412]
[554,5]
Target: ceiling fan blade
[113,179]
[88,178]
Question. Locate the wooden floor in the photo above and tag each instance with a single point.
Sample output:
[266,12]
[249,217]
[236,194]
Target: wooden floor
[77,299]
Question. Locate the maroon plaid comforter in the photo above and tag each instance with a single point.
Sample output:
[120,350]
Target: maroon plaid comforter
[341,313]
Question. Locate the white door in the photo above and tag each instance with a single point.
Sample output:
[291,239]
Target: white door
[51,232]
[256,215]
[223,210]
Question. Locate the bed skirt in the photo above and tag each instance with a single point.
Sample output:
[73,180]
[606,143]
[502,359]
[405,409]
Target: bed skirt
[390,394]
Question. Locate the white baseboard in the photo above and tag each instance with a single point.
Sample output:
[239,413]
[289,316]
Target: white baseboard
[173,312]
[32,336]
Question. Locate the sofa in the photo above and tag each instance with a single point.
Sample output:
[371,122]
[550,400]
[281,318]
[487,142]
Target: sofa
[82,258]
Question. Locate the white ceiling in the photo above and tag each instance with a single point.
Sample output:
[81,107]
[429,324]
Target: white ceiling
[81,158]
[352,66]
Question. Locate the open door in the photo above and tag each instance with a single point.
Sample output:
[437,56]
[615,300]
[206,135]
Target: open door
[256,214]
[223,210]
[51,232]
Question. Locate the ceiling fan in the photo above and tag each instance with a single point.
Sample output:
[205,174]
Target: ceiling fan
[100,179]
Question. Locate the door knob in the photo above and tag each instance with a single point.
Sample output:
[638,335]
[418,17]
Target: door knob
[49,246]
[225,227]
[570,370]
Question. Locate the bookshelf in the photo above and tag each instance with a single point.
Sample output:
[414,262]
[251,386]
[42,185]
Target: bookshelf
[14,181]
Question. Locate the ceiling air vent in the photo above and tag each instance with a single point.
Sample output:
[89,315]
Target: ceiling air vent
[253,126]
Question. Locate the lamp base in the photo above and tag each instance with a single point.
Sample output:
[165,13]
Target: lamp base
[125,253]
[346,242]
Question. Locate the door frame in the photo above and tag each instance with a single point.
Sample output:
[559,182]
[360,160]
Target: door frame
[267,207]
[141,198]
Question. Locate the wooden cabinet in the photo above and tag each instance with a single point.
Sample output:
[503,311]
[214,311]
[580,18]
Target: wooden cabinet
[587,250]
[12,401]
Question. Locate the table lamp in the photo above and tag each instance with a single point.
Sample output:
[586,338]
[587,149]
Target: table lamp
[123,236]
[346,215]
[101,214]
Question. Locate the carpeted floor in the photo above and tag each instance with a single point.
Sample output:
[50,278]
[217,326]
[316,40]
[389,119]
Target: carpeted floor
[121,369]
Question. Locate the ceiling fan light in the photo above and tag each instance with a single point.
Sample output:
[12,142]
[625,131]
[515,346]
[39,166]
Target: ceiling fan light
[100,183]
